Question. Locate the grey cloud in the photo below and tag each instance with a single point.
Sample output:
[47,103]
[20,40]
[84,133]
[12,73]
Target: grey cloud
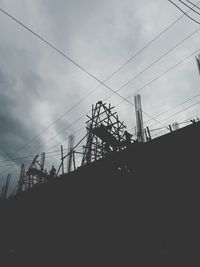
[37,85]
[14,131]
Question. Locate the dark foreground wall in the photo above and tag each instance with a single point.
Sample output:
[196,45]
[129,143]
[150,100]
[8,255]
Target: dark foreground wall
[139,207]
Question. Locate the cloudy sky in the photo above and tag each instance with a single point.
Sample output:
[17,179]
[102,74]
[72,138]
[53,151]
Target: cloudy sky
[38,85]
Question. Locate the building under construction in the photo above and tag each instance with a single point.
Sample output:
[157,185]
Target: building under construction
[132,201]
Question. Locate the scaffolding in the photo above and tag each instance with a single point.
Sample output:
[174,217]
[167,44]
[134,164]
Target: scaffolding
[105,133]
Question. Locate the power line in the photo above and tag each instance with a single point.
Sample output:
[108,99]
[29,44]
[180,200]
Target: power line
[135,78]
[191,117]
[188,120]
[130,59]
[162,74]
[126,62]
[150,65]
[69,59]
[53,137]
[184,12]
[194,5]
[189,7]
[157,60]
[72,61]
[28,156]
[147,84]
[165,72]
[178,105]
[153,80]
[181,111]
[150,129]
[166,111]
[178,113]
[47,157]
[80,67]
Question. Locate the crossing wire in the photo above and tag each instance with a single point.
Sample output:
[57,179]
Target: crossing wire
[116,71]
[72,61]
[184,12]
[158,77]
[194,5]
[178,105]
[163,55]
[156,61]
[143,87]
[189,7]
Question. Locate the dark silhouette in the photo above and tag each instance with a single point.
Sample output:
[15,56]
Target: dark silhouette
[138,206]
[52,171]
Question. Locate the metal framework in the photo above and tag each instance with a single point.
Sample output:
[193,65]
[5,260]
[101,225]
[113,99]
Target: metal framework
[70,157]
[105,133]
[35,174]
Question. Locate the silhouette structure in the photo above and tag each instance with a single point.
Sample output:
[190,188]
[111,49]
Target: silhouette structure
[137,204]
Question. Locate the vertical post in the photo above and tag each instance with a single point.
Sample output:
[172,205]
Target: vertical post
[139,118]
[74,160]
[198,62]
[149,134]
[70,151]
[87,150]
[170,128]
[42,161]
[61,147]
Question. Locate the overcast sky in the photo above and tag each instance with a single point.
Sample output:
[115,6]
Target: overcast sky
[38,85]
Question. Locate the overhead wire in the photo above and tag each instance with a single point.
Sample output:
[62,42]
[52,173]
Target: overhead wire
[160,75]
[147,84]
[72,61]
[180,111]
[189,7]
[188,120]
[170,50]
[117,70]
[47,157]
[151,130]
[184,12]
[198,114]
[174,107]
[194,5]
[155,61]
[28,156]
[168,110]
[67,57]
